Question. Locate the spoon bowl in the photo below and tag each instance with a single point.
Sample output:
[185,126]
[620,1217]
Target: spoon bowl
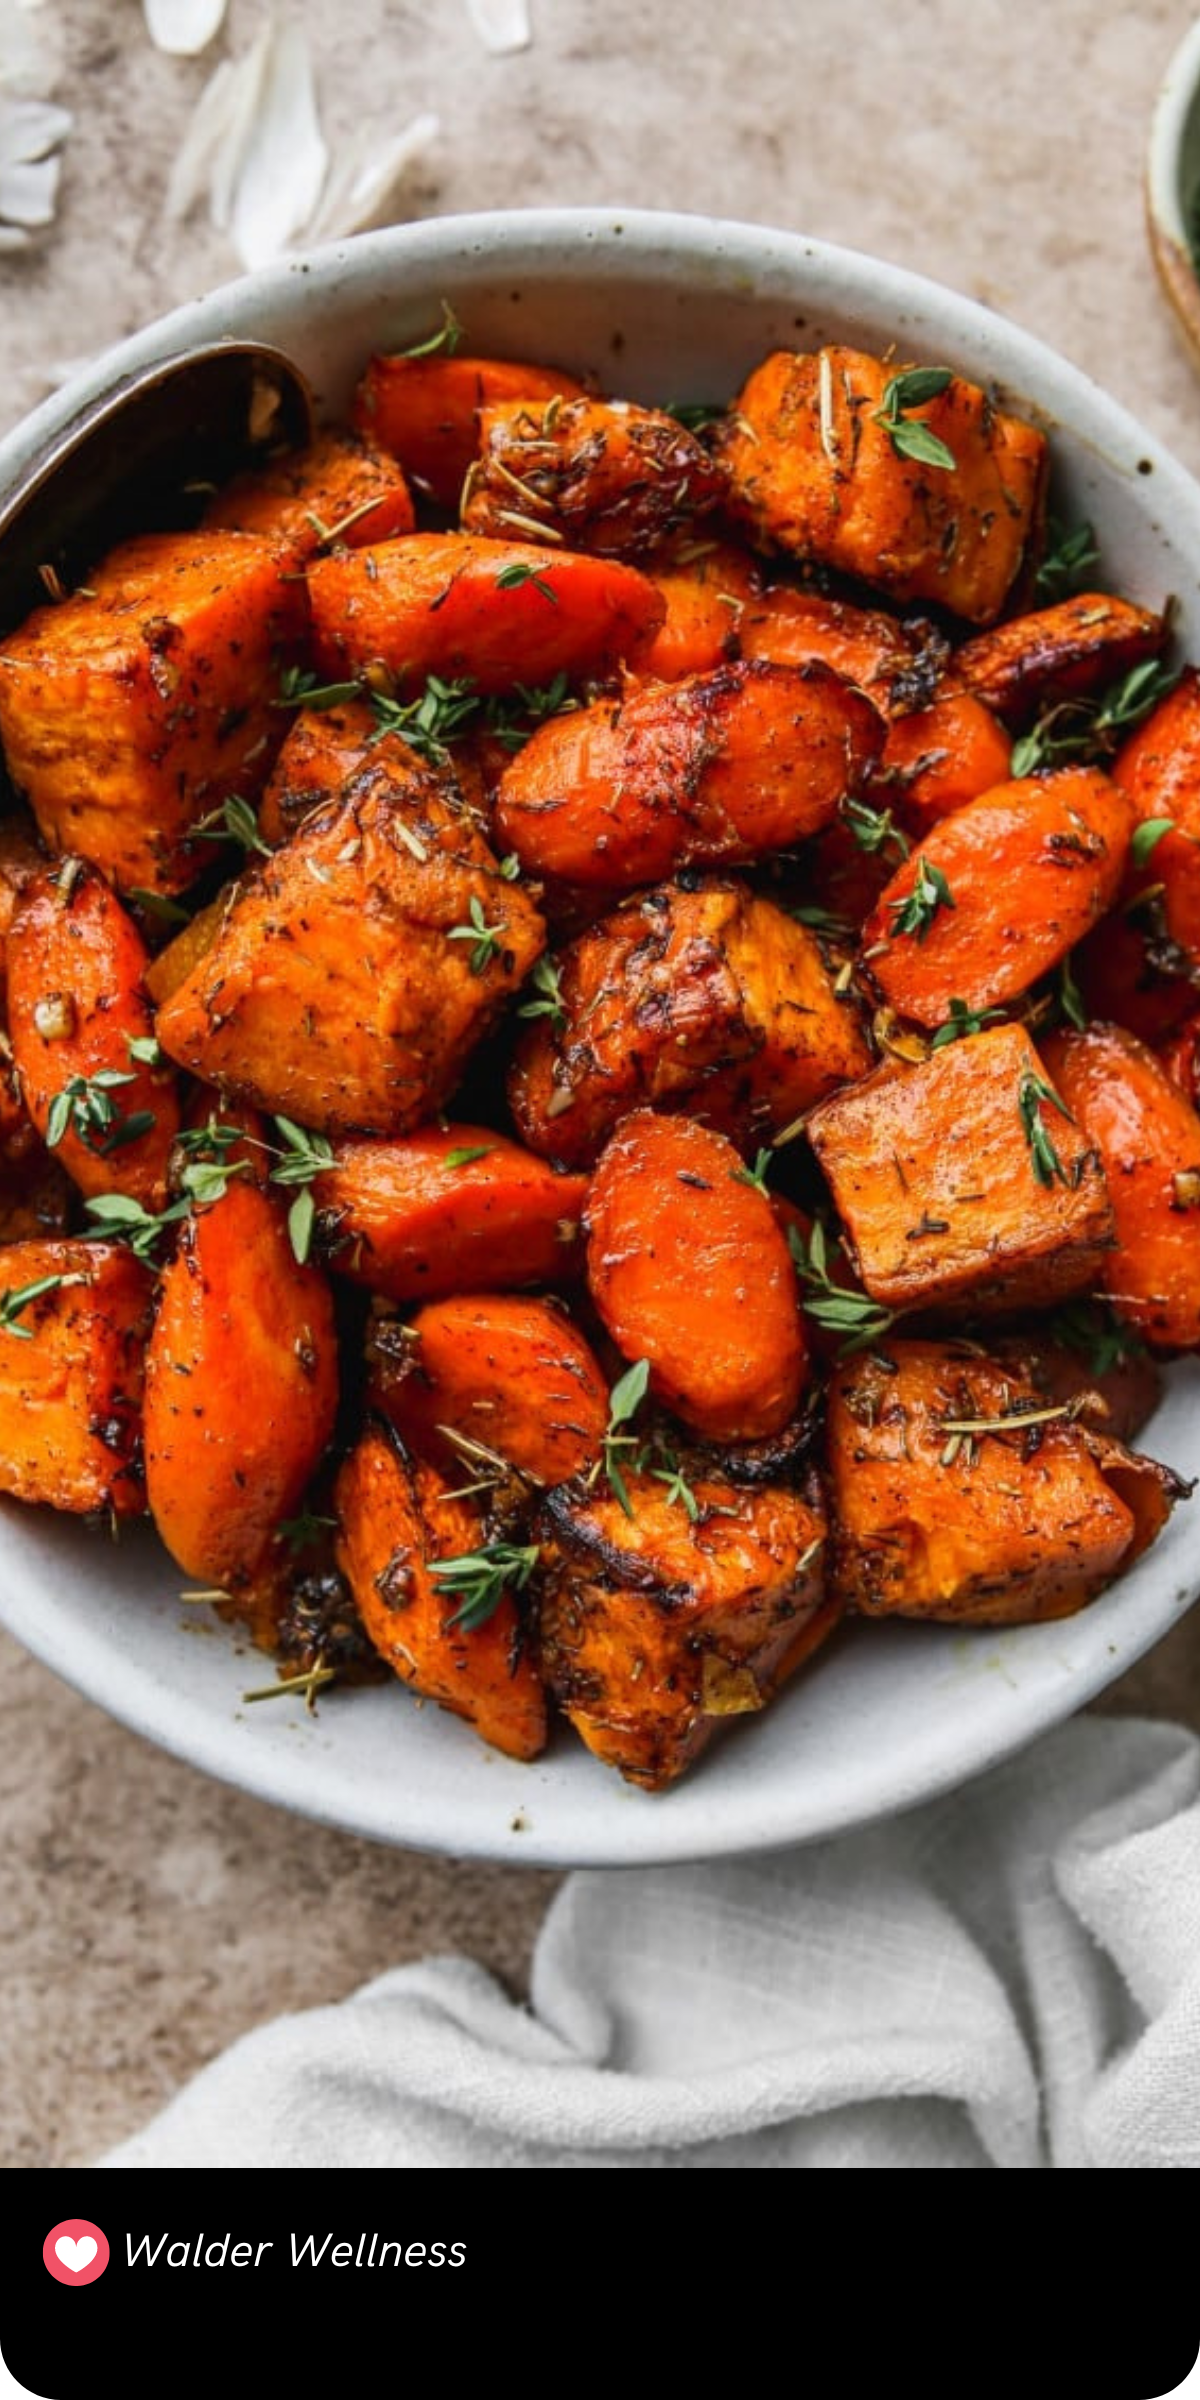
[143,457]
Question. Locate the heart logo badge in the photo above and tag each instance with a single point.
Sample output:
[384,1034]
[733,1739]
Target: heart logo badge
[75,2251]
[75,2254]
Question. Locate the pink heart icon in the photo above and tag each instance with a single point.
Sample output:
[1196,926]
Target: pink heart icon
[75,2254]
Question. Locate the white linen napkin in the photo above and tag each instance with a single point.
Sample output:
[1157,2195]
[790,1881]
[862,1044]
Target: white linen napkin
[1009,1976]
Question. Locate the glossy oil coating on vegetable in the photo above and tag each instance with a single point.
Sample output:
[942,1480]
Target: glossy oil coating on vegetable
[600,1060]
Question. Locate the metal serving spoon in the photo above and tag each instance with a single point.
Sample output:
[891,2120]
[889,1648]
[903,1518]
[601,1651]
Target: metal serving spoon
[143,457]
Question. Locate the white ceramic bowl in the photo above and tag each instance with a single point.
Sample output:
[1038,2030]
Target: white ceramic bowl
[667,308]
[1173,187]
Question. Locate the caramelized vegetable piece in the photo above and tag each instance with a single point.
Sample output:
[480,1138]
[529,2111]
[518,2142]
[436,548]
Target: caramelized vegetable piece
[949,926]
[1159,770]
[898,664]
[241,1387]
[819,452]
[35,1195]
[456,605]
[451,1208]
[397,1522]
[73,1322]
[688,1269]
[510,1374]
[356,968]
[965,1179]
[706,999]
[655,1626]
[944,755]
[20,861]
[716,769]
[1061,653]
[1130,970]
[324,749]
[598,474]
[77,1004]
[707,586]
[132,710]
[952,1501]
[426,410]
[1083,1355]
[341,489]
[1148,1136]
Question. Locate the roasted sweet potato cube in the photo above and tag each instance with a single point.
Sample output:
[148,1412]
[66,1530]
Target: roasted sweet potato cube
[598,474]
[78,1013]
[397,1525]
[426,410]
[494,1373]
[1148,1135]
[1065,652]
[340,489]
[999,892]
[132,710]
[714,770]
[356,968]
[703,998]
[965,1179]
[956,1495]
[821,464]
[74,1316]
[324,749]
[449,1209]
[655,1626]
[500,613]
[241,1387]
[689,1270]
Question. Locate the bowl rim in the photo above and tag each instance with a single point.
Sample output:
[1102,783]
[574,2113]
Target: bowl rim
[694,1820]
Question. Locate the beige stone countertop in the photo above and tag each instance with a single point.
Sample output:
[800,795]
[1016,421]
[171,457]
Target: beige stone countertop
[147,1915]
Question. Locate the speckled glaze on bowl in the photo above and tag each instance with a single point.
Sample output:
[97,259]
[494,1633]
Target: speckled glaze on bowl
[1173,187]
[667,308]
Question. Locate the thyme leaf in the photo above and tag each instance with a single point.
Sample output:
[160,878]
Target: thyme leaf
[912,437]
[916,911]
[1033,1091]
[479,1579]
[486,938]
[447,338]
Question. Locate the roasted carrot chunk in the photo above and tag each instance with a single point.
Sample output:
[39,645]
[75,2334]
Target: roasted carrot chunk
[78,1015]
[341,489]
[398,1525]
[656,1626]
[73,1322]
[1159,769]
[241,1387]
[355,968]
[822,463]
[456,605]
[965,1179]
[688,1269]
[598,474]
[897,663]
[957,1496]
[940,757]
[704,998]
[1148,1136]
[948,926]
[426,410]
[707,587]
[1061,653]
[499,1373]
[132,710]
[716,769]
[450,1208]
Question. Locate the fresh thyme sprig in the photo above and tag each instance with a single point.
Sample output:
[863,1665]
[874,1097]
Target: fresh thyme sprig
[85,1106]
[304,1155]
[13,1302]
[961,1022]
[117,1218]
[1093,729]
[301,687]
[756,1176]
[863,1321]
[486,938]
[1095,1334]
[874,829]
[916,911]
[1033,1091]
[519,572]
[624,1401]
[1068,563]
[1147,836]
[427,723]
[233,821]
[549,1002]
[447,338]
[479,1579]
[909,437]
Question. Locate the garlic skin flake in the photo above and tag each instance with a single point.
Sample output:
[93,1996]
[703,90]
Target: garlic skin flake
[183,28]
[501,25]
[364,185]
[285,163]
